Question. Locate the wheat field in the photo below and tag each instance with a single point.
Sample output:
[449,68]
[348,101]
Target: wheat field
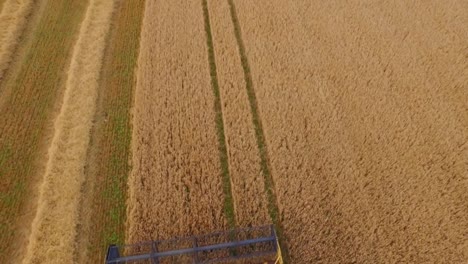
[250,200]
[175,187]
[365,120]
[344,124]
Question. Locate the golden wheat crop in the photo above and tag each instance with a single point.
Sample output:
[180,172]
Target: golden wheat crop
[365,116]
[244,160]
[175,187]
[13,19]
[53,233]
[354,112]
[1,4]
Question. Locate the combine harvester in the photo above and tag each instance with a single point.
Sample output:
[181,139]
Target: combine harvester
[247,245]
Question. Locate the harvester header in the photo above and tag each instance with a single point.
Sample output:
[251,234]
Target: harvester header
[246,245]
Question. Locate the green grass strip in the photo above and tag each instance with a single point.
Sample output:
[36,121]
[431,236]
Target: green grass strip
[117,84]
[223,155]
[259,134]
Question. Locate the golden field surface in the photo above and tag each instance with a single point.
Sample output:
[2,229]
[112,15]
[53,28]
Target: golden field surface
[342,123]
[175,187]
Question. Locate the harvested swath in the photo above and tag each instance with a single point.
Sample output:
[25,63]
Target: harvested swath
[175,187]
[366,121]
[13,18]
[26,117]
[103,210]
[244,161]
[53,233]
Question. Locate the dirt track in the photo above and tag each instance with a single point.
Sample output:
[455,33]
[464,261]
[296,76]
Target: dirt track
[366,120]
[175,187]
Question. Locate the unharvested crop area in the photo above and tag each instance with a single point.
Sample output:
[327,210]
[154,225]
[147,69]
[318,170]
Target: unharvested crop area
[342,123]
[250,200]
[175,187]
[364,106]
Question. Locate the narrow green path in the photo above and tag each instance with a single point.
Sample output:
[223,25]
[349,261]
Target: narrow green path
[113,131]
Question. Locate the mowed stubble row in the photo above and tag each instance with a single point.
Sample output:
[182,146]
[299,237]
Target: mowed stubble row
[365,119]
[54,229]
[103,209]
[27,115]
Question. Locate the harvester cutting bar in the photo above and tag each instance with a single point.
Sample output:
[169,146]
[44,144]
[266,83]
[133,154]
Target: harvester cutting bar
[259,244]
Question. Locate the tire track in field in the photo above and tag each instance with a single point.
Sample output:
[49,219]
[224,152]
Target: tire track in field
[248,188]
[259,133]
[13,20]
[52,239]
[175,187]
[229,209]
